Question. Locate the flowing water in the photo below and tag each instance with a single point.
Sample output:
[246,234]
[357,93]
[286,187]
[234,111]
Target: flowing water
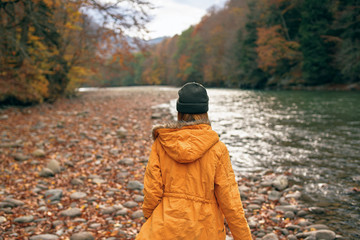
[313,135]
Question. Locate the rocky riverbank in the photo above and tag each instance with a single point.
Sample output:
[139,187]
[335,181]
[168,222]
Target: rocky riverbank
[74,170]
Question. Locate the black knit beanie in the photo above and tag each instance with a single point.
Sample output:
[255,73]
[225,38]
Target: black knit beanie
[192,99]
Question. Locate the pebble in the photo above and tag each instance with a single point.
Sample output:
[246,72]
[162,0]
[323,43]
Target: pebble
[138,198]
[54,166]
[95,225]
[281,182]
[274,195]
[78,195]
[54,194]
[46,172]
[108,210]
[289,215]
[121,132]
[82,236]
[122,212]
[317,210]
[316,227]
[135,185]
[77,181]
[270,236]
[130,204]
[14,202]
[71,212]
[24,219]
[38,153]
[252,207]
[98,181]
[44,237]
[137,214]
[126,161]
[20,157]
[295,195]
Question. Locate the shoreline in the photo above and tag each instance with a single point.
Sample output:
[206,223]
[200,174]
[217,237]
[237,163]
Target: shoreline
[77,166]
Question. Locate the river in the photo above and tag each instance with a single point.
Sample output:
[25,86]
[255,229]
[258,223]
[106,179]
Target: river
[315,136]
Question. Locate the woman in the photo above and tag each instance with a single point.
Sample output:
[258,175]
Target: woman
[189,182]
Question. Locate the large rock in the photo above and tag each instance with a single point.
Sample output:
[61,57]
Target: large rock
[281,182]
[82,236]
[135,185]
[44,237]
[54,166]
[71,212]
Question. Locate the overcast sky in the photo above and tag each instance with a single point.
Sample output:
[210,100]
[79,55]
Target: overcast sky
[174,16]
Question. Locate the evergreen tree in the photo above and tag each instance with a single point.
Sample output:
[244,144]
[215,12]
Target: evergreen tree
[315,24]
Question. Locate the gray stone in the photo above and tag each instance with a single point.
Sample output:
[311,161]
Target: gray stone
[24,219]
[42,209]
[44,237]
[131,204]
[122,212]
[291,237]
[77,181]
[274,195]
[121,132]
[289,214]
[78,195]
[20,157]
[71,212]
[46,172]
[325,234]
[98,181]
[286,208]
[38,153]
[82,236]
[252,207]
[14,202]
[138,198]
[270,236]
[126,161]
[295,195]
[317,210]
[54,194]
[54,166]
[95,225]
[280,183]
[135,185]
[108,210]
[301,213]
[137,214]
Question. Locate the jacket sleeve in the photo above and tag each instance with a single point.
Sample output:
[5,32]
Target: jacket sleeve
[153,190]
[228,198]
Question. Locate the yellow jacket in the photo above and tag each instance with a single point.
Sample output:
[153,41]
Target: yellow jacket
[189,186]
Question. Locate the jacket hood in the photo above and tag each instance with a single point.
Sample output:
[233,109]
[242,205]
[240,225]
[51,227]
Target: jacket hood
[186,142]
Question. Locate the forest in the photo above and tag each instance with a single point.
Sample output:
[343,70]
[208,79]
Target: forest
[50,48]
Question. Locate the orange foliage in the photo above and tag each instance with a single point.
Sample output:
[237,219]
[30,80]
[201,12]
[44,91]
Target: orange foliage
[273,47]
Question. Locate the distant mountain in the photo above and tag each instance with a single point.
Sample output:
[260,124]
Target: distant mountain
[156,40]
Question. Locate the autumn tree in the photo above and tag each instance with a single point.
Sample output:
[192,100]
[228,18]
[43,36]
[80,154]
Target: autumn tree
[47,47]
